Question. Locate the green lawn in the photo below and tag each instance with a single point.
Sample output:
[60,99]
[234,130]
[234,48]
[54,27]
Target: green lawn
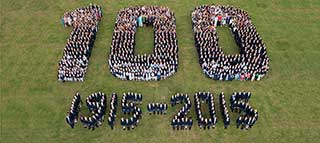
[144,41]
[226,41]
[34,104]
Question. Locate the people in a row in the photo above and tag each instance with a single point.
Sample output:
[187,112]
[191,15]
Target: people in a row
[96,103]
[181,123]
[246,122]
[73,114]
[74,62]
[184,99]
[128,104]
[181,120]
[113,110]
[180,98]
[224,111]
[251,64]
[239,102]
[162,63]
[132,122]
[129,100]
[211,120]
[236,97]
[159,108]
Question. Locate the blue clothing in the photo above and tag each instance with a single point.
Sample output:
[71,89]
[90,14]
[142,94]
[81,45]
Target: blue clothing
[140,21]
[237,77]
[62,22]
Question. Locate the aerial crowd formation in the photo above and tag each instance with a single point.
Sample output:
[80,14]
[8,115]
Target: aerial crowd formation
[132,113]
[84,22]
[252,63]
[162,63]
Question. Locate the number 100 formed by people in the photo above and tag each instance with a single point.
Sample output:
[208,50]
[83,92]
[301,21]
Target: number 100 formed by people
[252,62]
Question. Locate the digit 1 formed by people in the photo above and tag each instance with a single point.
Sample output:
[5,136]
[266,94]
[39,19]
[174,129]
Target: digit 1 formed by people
[96,104]
[75,59]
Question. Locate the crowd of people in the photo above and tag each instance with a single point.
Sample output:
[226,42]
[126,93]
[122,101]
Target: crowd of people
[128,104]
[159,108]
[239,102]
[84,22]
[208,98]
[96,103]
[162,63]
[236,96]
[251,64]
[183,123]
[224,111]
[113,110]
[180,120]
[73,114]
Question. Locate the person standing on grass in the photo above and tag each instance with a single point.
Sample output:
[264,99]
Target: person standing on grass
[226,122]
[224,20]
[239,121]
[215,21]
[219,20]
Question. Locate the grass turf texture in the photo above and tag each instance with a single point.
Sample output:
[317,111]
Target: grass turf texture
[34,104]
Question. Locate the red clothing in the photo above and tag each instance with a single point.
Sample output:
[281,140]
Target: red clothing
[219,17]
[248,76]
[242,77]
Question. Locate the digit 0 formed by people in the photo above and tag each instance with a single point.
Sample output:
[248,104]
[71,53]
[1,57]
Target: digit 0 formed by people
[252,63]
[162,63]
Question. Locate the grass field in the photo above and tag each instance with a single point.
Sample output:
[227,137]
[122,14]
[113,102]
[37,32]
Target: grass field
[34,104]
